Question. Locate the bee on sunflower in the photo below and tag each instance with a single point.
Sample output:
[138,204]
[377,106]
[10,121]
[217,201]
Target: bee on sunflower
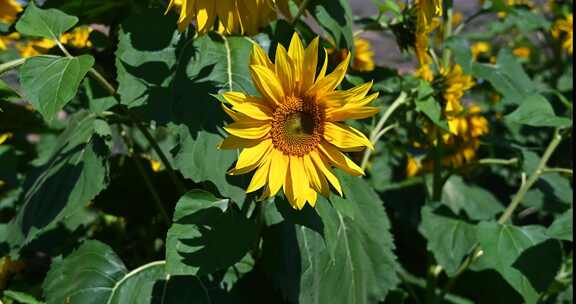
[226,16]
[293,134]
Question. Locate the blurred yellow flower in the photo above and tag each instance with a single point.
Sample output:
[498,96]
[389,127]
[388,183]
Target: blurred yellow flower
[454,83]
[293,134]
[459,148]
[427,13]
[363,60]
[4,137]
[34,47]
[480,47]
[564,29]
[6,40]
[230,16]
[9,9]
[78,37]
[522,52]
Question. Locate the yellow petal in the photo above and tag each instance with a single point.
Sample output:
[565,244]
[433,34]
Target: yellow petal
[317,180]
[330,82]
[250,158]
[4,137]
[322,165]
[259,57]
[296,53]
[255,108]
[322,73]
[267,83]
[346,113]
[249,129]
[234,98]
[341,98]
[278,169]
[233,142]
[310,64]
[346,138]
[260,176]
[285,70]
[339,159]
[311,197]
[205,15]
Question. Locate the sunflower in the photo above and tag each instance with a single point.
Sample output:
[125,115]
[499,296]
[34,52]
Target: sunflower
[363,60]
[453,85]
[230,16]
[459,148]
[9,9]
[427,13]
[78,38]
[564,29]
[293,134]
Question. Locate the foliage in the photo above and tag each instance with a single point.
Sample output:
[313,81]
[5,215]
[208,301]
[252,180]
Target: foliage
[117,184]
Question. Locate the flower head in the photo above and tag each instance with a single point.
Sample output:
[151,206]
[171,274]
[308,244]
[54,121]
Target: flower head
[230,16]
[564,29]
[363,60]
[9,9]
[78,38]
[293,134]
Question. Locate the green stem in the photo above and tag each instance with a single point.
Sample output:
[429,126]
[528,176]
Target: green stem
[10,65]
[301,11]
[379,130]
[446,53]
[437,182]
[518,197]
[558,170]
[410,279]
[497,161]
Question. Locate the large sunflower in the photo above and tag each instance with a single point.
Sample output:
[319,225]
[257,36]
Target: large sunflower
[230,16]
[293,134]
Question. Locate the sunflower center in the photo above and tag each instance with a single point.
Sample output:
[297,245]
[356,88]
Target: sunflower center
[298,126]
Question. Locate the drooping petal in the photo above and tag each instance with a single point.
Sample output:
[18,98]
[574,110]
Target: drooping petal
[346,138]
[322,165]
[233,142]
[255,109]
[317,180]
[339,159]
[278,169]
[205,15]
[250,158]
[260,176]
[268,84]
[346,113]
[249,129]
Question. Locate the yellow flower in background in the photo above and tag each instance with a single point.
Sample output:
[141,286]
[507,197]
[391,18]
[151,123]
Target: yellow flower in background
[78,37]
[4,137]
[7,40]
[564,29]
[454,84]
[9,9]
[459,148]
[230,16]
[425,72]
[34,47]
[427,13]
[522,52]
[479,48]
[363,60]
[293,134]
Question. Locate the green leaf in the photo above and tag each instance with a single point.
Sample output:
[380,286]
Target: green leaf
[208,234]
[335,17]
[75,173]
[450,239]
[51,82]
[427,104]
[94,274]
[50,23]
[562,228]
[478,203]
[462,53]
[145,64]
[536,111]
[515,251]
[6,93]
[339,252]
[20,297]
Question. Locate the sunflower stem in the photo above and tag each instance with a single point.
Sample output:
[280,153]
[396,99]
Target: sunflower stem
[10,65]
[380,130]
[446,53]
[505,217]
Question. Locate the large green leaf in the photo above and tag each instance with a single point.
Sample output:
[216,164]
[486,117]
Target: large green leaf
[145,57]
[51,82]
[479,204]
[75,173]
[536,111]
[450,239]
[335,17]
[339,252]
[515,252]
[94,274]
[50,23]
[562,228]
[208,234]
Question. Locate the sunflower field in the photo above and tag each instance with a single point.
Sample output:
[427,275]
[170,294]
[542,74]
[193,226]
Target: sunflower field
[286,151]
